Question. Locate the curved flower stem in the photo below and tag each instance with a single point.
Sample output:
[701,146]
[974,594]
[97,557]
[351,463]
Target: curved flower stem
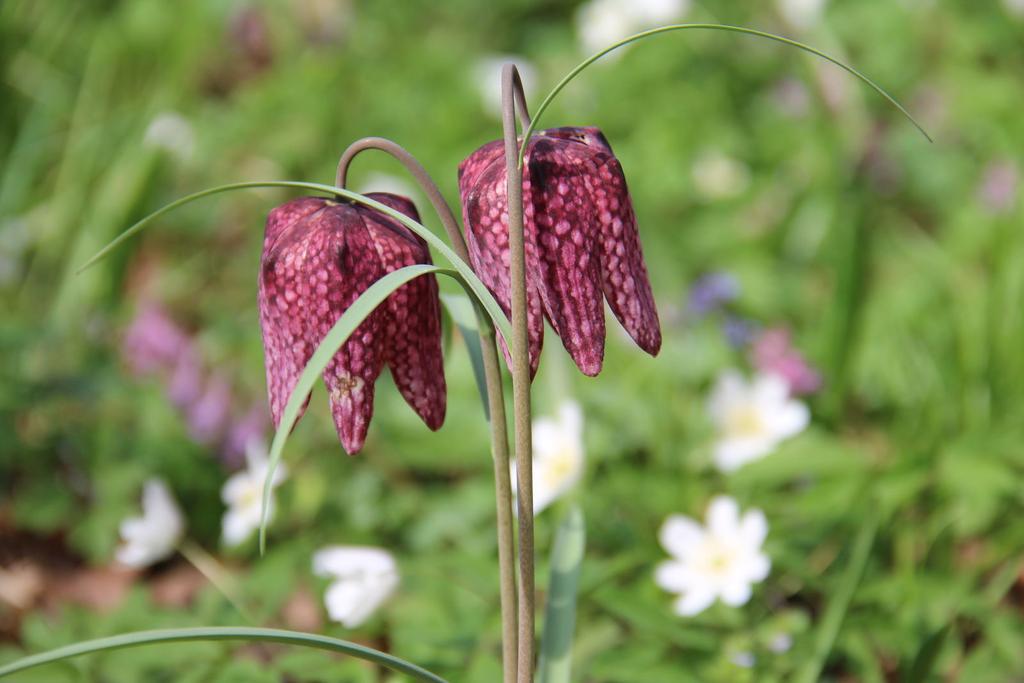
[495,392]
[510,83]
[712,27]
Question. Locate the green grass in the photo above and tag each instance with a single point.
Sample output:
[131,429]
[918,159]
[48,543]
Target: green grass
[873,246]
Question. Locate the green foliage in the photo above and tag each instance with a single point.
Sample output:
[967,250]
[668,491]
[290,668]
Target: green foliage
[899,277]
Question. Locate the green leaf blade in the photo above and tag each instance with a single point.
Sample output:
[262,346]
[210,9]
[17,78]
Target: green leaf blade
[213,633]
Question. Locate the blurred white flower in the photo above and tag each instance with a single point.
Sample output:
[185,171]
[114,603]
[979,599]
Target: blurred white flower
[745,660]
[718,561]
[601,23]
[170,131]
[717,175]
[155,535]
[801,14]
[780,643]
[243,494]
[752,418]
[557,455]
[363,579]
[1015,8]
[487,76]
[385,182]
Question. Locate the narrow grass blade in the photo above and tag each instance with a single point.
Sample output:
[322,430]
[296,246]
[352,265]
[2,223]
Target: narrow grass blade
[469,280]
[924,661]
[560,615]
[360,309]
[271,635]
[708,27]
[836,609]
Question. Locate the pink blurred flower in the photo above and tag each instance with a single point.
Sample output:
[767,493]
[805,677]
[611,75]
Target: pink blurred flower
[773,353]
[997,190]
[153,341]
[208,416]
[185,382]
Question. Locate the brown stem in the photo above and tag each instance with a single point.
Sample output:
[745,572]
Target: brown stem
[511,85]
[495,392]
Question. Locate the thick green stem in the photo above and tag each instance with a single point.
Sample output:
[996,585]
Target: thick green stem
[711,27]
[520,351]
[495,392]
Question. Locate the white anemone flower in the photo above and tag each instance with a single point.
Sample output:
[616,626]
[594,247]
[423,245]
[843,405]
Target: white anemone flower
[487,75]
[718,561]
[802,14]
[243,494]
[363,578]
[601,23]
[752,418]
[557,455]
[155,535]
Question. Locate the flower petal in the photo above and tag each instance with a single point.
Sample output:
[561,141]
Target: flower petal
[287,345]
[695,601]
[625,280]
[680,536]
[735,593]
[352,373]
[482,184]
[412,334]
[673,577]
[753,528]
[558,191]
[723,517]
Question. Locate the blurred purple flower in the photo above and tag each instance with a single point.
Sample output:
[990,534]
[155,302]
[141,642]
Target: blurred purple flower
[773,353]
[185,383]
[711,291]
[738,331]
[208,417]
[997,190]
[246,430]
[153,342]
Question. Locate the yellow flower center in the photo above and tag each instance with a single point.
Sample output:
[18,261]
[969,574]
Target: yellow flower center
[744,421]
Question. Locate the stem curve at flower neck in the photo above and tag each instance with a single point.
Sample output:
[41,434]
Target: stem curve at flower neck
[546,102]
[419,174]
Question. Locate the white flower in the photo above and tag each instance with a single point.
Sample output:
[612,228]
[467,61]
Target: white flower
[602,23]
[719,561]
[155,535]
[363,579]
[752,418]
[717,175]
[801,14]
[243,494]
[557,455]
[172,132]
[487,75]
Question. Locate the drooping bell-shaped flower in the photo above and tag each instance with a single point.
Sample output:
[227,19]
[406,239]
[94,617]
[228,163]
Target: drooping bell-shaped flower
[581,238]
[319,256]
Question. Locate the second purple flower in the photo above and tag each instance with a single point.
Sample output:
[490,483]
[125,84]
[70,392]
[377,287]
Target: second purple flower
[582,244]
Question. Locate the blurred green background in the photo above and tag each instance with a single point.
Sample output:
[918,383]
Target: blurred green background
[898,266]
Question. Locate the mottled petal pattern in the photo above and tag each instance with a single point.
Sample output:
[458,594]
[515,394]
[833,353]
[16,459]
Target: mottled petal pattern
[486,220]
[581,240]
[319,256]
[412,333]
